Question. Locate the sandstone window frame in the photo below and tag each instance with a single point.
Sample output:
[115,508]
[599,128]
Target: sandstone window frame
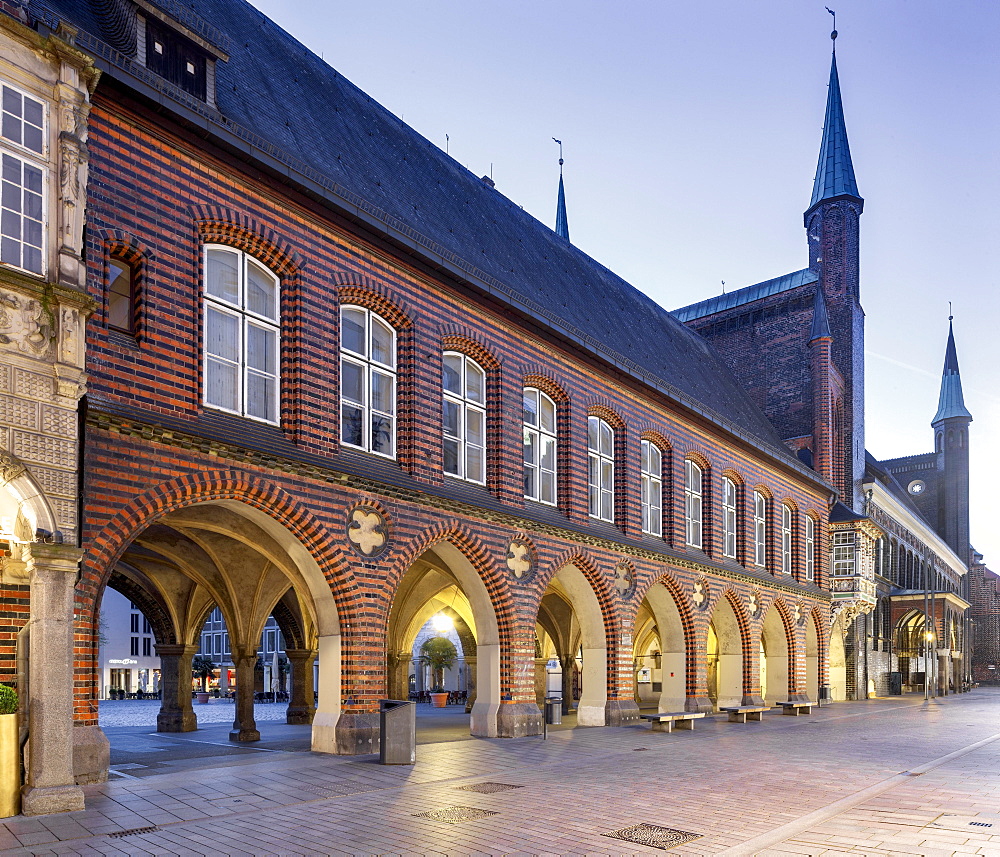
[251,324]
[463,417]
[24,174]
[730,518]
[693,503]
[540,445]
[760,505]
[651,488]
[377,391]
[600,469]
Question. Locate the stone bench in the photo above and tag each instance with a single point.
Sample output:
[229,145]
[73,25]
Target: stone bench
[795,708]
[665,720]
[742,713]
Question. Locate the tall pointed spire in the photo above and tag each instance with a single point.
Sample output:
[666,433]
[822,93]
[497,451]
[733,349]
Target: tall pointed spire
[951,402]
[834,172]
[562,223]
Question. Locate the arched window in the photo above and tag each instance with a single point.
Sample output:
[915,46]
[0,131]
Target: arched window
[692,503]
[729,518]
[539,446]
[367,381]
[601,470]
[652,489]
[810,540]
[121,295]
[242,326]
[464,417]
[786,539]
[759,529]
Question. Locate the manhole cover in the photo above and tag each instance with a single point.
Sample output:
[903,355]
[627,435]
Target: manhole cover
[489,788]
[653,835]
[118,834]
[455,814]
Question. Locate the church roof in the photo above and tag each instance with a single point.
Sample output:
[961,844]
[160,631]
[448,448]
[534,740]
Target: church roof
[821,321]
[284,106]
[834,172]
[951,402]
[746,295]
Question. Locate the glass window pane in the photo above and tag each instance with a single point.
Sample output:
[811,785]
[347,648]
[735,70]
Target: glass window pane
[474,432]
[262,349]
[352,330]
[222,275]
[531,407]
[262,291]
[607,513]
[383,392]
[547,413]
[595,501]
[451,457]
[607,475]
[222,384]
[475,383]
[451,373]
[352,382]
[351,425]
[607,440]
[593,434]
[383,434]
[474,463]
[452,418]
[383,338]
[262,396]
[530,447]
[222,337]
[548,494]
[548,460]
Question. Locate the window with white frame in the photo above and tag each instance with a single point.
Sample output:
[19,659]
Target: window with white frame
[22,180]
[759,529]
[464,417]
[692,503]
[786,539]
[539,446]
[367,381]
[843,554]
[810,540]
[242,326]
[601,469]
[729,518]
[652,489]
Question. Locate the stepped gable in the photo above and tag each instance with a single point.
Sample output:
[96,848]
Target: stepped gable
[275,86]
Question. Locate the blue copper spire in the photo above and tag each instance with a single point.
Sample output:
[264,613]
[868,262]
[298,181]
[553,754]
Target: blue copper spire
[821,321]
[951,402]
[562,223]
[834,172]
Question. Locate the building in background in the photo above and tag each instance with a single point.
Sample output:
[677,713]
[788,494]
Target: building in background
[129,665]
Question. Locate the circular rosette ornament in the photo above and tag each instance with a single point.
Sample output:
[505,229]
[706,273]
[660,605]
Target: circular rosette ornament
[519,559]
[624,579]
[367,531]
[700,594]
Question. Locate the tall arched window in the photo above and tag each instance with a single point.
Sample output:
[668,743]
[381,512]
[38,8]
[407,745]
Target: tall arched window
[652,489]
[464,417]
[539,446]
[759,529]
[810,546]
[786,539]
[367,381]
[242,328]
[601,471]
[692,503]
[729,518]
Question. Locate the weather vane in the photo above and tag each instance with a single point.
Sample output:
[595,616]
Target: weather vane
[554,140]
[833,35]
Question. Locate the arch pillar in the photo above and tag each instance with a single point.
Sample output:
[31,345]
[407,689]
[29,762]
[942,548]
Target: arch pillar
[568,664]
[301,707]
[244,725]
[471,665]
[753,692]
[696,685]
[798,681]
[50,785]
[176,712]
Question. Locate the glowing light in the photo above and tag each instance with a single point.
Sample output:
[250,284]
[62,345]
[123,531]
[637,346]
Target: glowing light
[442,623]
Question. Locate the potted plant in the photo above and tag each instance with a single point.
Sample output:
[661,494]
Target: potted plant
[10,754]
[203,667]
[439,654]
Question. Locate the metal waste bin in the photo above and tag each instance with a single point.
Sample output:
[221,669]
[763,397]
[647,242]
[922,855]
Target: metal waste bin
[825,694]
[553,710]
[397,732]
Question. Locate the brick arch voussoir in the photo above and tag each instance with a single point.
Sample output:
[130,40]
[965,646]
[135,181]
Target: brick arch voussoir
[369,293]
[737,478]
[466,342]
[606,412]
[125,246]
[657,438]
[699,458]
[217,224]
[544,381]
[605,593]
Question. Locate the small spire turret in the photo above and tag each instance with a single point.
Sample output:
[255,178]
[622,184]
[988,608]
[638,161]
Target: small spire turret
[562,222]
[951,402]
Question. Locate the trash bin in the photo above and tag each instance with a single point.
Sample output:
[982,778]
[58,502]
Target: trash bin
[895,684]
[553,710]
[397,732]
[825,694]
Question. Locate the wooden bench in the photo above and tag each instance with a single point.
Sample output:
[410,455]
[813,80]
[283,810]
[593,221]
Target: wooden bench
[665,721]
[742,713]
[796,708]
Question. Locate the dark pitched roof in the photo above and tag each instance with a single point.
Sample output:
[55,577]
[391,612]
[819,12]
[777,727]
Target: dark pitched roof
[834,172]
[747,295]
[304,113]
[841,514]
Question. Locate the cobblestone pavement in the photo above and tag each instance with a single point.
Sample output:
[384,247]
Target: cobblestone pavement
[142,712]
[881,777]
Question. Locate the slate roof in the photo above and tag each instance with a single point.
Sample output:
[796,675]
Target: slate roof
[290,105]
[746,295]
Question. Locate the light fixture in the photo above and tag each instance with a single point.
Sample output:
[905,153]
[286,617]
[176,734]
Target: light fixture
[442,623]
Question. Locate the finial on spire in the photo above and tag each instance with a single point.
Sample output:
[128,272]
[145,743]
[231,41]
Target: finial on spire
[833,35]
[562,223]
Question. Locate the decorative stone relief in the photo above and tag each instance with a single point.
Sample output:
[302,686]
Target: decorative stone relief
[519,559]
[24,324]
[70,333]
[800,616]
[367,531]
[10,467]
[753,603]
[700,594]
[624,579]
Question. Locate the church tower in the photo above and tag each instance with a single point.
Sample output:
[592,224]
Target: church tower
[951,444]
[832,227]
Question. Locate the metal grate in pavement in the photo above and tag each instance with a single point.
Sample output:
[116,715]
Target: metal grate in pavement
[653,835]
[455,814]
[980,824]
[118,834]
[488,788]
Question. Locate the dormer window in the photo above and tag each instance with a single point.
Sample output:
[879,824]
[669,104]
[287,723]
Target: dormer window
[176,59]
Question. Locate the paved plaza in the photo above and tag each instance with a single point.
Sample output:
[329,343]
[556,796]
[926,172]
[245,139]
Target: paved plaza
[891,776]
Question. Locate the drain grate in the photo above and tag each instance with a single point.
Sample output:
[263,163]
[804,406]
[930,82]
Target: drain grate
[980,824]
[455,814]
[489,788]
[118,834]
[654,836]
[911,773]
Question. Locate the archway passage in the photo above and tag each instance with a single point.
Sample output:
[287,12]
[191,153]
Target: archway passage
[724,653]
[838,661]
[774,660]
[227,555]
[660,653]
[913,649]
[570,632]
[441,600]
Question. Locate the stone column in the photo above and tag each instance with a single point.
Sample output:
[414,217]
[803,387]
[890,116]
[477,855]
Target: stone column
[470,680]
[50,785]
[568,663]
[301,705]
[176,713]
[244,725]
[541,680]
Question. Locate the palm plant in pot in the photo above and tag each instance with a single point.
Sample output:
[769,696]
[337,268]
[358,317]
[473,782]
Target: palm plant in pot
[439,654]
[204,668]
[10,755]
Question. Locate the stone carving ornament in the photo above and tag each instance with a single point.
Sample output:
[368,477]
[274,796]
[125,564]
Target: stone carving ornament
[367,531]
[753,603]
[700,594]
[624,579]
[519,559]
[25,324]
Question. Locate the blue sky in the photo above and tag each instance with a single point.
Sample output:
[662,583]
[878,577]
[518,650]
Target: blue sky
[691,132]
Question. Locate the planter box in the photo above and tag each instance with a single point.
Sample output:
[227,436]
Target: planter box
[10,767]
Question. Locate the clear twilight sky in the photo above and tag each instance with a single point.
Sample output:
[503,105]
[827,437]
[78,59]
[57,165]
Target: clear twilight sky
[691,132]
